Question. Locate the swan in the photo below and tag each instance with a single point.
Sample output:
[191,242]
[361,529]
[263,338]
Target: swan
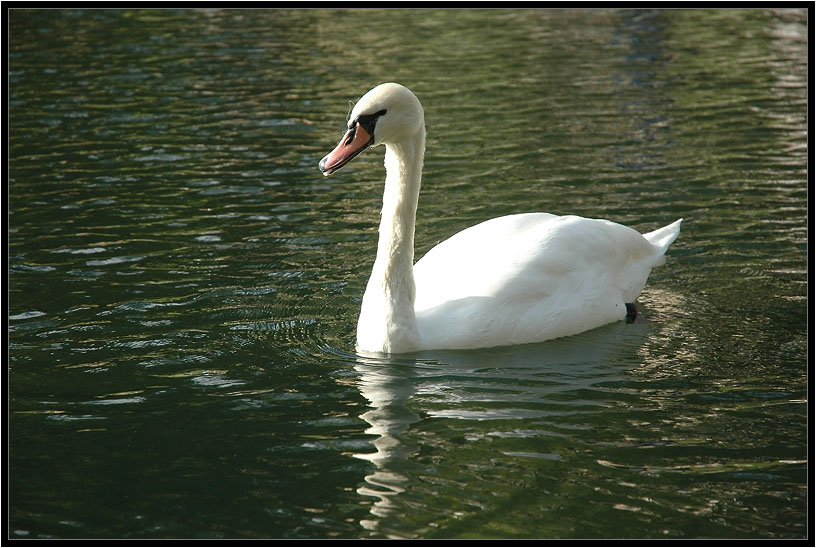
[521,278]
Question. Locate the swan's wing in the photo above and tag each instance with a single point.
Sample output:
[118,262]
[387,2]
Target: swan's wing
[479,260]
[524,255]
[523,275]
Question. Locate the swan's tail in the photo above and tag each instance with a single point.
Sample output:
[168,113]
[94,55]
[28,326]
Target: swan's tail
[663,237]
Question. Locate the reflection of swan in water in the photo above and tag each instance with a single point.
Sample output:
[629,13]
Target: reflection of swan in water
[387,385]
[454,384]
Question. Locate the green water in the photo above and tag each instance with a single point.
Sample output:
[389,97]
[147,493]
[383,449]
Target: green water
[183,284]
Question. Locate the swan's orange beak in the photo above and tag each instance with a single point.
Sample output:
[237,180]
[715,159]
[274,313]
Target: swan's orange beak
[353,143]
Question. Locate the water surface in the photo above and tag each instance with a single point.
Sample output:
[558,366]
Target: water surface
[183,284]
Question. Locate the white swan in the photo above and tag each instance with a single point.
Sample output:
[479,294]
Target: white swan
[510,280]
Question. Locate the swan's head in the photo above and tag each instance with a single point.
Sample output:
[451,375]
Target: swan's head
[389,113]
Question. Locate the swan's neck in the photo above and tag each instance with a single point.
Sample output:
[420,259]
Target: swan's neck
[395,249]
[387,320]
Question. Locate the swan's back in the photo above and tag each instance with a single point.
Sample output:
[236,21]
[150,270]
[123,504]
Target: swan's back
[532,277]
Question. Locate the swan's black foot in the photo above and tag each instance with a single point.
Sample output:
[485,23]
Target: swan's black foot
[631,312]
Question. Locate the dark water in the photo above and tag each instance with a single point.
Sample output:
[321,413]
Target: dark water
[183,284]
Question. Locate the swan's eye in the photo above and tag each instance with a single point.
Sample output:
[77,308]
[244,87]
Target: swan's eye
[368,121]
[367,118]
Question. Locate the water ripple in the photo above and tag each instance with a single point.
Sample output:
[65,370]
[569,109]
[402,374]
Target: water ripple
[182,280]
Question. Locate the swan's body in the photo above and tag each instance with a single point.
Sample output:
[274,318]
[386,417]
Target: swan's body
[509,280]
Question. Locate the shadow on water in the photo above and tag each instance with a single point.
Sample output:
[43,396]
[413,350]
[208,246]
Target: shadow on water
[530,382]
